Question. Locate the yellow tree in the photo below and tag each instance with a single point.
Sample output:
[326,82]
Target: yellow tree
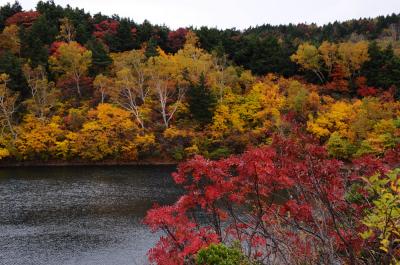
[220,64]
[9,39]
[44,94]
[38,138]
[131,90]
[328,53]
[308,57]
[103,84]
[109,132]
[191,61]
[4,153]
[67,30]
[167,84]
[336,117]
[351,56]
[171,75]
[8,101]
[257,110]
[72,60]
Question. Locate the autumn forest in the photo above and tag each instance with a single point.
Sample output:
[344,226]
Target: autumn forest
[287,137]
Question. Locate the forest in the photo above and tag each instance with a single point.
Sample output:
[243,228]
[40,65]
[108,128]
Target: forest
[288,137]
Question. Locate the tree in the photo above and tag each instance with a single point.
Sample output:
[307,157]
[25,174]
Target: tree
[23,18]
[131,91]
[43,92]
[328,53]
[8,101]
[261,54]
[101,60]
[151,48]
[176,39]
[9,39]
[201,101]
[124,36]
[337,117]
[284,203]
[7,11]
[297,97]
[108,133]
[257,111]
[67,30]
[36,39]
[383,68]
[38,138]
[11,65]
[308,57]
[169,92]
[105,27]
[352,56]
[73,60]
[4,153]
[104,85]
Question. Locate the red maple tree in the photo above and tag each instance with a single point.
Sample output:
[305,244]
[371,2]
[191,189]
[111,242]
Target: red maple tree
[285,203]
[25,18]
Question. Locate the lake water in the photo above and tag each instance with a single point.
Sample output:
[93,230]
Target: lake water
[79,215]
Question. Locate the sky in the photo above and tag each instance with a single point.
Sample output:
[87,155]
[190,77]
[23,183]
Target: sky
[232,13]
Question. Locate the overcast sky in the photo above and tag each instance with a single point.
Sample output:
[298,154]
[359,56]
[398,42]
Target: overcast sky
[232,13]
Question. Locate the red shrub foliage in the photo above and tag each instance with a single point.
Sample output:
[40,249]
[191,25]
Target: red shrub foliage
[55,45]
[363,89]
[338,81]
[105,27]
[176,39]
[25,18]
[68,86]
[284,202]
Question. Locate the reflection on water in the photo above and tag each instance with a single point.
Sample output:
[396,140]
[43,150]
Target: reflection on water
[79,215]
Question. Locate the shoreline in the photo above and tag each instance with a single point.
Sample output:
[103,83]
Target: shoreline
[71,163]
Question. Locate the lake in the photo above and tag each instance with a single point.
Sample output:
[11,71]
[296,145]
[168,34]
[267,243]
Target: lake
[79,215]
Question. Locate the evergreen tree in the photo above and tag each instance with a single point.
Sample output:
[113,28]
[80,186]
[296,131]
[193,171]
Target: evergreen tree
[36,40]
[11,65]
[7,11]
[383,68]
[201,101]
[124,37]
[151,48]
[100,57]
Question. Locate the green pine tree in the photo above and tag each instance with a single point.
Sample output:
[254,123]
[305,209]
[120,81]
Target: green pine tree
[201,101]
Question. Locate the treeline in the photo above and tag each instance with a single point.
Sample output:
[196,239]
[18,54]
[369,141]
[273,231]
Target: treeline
[261,49]
[76,86]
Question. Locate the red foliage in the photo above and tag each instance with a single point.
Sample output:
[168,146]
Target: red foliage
[284,201]
[25,18]
[338,80]
[363,89]
[106,27]
[367,91]
[183,237]
[392,157]
[67,86]
[176,39]
[55,45]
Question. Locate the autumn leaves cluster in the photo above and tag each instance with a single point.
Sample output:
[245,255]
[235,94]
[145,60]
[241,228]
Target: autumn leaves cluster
[284,203]
[144,107]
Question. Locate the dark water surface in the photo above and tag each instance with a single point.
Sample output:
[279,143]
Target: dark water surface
[79,215]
